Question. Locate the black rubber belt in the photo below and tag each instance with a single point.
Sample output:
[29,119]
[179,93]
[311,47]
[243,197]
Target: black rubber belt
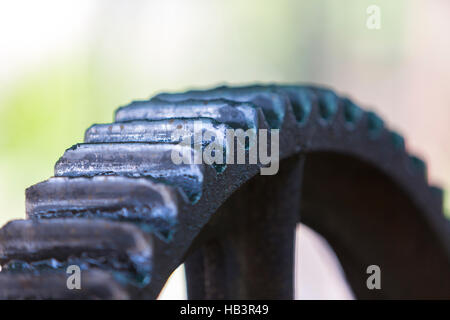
[121,209]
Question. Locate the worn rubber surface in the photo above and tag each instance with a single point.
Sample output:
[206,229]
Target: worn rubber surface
[120,208]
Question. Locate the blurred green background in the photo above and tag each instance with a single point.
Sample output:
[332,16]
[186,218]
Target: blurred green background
[67,64]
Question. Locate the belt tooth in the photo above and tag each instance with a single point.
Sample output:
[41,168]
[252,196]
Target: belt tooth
[418,166]
[112,197]
[302,100]
[236,115]
[27,245]
[163,131]
[31,240]
[95,284]
[397,140]
[272,102]
[375,125]
[134,160]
